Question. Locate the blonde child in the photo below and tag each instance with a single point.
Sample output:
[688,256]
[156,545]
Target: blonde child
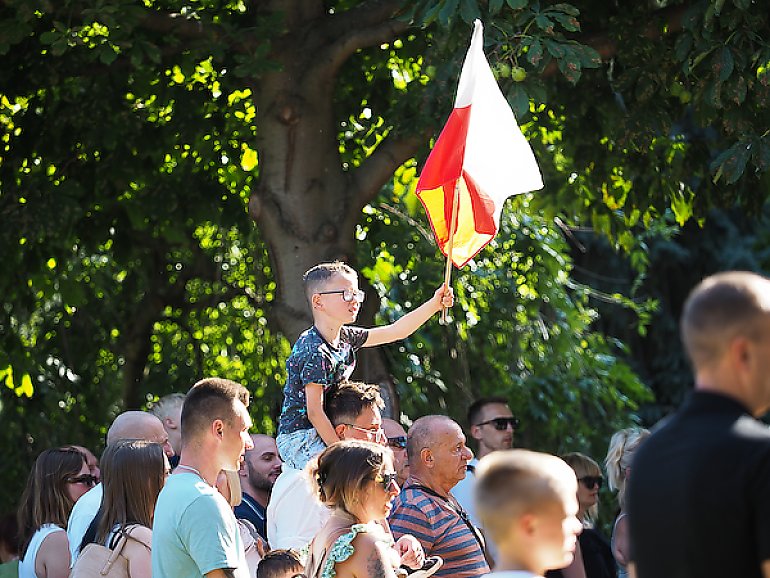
[324,356]
[527,504]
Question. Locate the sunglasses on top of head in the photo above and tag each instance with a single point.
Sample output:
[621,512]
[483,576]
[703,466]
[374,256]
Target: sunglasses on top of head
[348,295]
[592,481]
[502,423]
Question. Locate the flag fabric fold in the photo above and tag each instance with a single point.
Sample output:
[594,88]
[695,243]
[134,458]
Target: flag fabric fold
[482,151]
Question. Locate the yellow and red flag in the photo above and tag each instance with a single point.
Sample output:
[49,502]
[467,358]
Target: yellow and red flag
[481,151]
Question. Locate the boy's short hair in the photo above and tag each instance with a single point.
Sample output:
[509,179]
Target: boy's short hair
[511,483]
[166,405]
[209,399]
[279,564]
[345,401]
[315,277]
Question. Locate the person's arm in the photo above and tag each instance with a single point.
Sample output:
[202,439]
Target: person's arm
[51,559]
[314,400]
[370,559]
[221,573]
[620,541]
[409,323]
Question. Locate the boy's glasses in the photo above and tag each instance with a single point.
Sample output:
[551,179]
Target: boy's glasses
[86,479]
[386,480]
[592,481]
[397,442]
[502,423]
[348,295]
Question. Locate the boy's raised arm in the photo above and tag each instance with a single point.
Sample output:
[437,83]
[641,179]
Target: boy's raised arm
[409,323]
[314,396]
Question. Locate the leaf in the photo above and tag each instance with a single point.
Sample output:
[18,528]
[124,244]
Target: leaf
[682,46]
[535,53]
[761,155]
[469,11]
[544,23]
[742,4]
[447,11]
[723,64]
[517,4]
[495,6]
[556,49]
[731,164]
[519,101]
[568,22]
[570,67]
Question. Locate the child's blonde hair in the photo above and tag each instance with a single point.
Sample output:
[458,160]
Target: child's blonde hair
[623,445]
[511,483]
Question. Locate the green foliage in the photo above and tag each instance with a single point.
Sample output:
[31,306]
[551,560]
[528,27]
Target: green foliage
[521,327]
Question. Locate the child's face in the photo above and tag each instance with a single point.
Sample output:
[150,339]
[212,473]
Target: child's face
[329,298]
[558,529]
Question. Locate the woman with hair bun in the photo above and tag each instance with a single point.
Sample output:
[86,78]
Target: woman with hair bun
[357,480]
[57,480]
[623,445]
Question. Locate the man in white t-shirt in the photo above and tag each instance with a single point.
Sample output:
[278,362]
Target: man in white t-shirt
[492,425]
[195,532]
[128,425]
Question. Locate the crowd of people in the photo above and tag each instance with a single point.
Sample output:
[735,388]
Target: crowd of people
[185,490]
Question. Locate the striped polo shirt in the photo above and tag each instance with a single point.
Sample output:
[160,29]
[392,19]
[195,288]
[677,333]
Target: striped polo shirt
[440,530]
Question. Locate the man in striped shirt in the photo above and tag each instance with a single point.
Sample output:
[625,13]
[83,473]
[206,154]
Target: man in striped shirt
[425,508]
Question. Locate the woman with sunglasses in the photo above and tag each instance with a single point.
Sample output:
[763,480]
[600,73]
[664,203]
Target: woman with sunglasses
[593,557]
[623,446]
[133,474]
[357,480]
[57,480]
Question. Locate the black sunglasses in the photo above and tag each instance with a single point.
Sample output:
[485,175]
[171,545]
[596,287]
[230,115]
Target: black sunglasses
[591,481]
[386,480]
[398,442]
[502,423]
[86,479]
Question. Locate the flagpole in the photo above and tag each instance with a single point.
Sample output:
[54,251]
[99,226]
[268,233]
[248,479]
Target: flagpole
[452,228]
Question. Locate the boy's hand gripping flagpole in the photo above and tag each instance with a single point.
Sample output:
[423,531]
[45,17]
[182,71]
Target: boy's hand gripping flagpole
[450,245]
[479,160]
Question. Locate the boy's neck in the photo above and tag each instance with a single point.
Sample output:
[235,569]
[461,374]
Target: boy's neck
[328,329]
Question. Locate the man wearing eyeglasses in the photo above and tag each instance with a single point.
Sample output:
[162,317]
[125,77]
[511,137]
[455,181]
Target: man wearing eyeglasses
[492,425]
[699,494]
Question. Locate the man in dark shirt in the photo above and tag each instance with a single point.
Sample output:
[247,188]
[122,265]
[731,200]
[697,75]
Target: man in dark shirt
[699,494]
[260,468]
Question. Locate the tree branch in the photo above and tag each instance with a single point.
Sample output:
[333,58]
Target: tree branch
[374,172]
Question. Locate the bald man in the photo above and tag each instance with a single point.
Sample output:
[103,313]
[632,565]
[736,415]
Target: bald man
[426,508]
[260,468]
[128,425]
[699,493]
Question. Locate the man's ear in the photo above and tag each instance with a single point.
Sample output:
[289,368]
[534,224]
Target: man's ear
[476,432]
[340,430]
[315,301]
[169,423]
[243,471]
[427,457]
[218,428]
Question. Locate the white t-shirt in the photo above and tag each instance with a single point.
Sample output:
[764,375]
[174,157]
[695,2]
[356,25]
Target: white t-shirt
[82,514]
[27,564]
[294,514]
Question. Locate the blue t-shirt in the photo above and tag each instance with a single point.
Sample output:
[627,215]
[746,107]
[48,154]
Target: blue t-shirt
[314,360]
[194,531]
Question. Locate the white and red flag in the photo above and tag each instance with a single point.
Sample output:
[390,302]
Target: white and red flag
[479,160]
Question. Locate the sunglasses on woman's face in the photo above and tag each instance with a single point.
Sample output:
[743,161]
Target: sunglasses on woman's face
[591,481]
[386,480]
[86,479]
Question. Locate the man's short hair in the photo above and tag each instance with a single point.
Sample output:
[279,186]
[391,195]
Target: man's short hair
[210,399]
[315,277]
[347,400]
[166,405]
[510,483]
[421,435]
[477,407]
[721,307]
[279,564]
